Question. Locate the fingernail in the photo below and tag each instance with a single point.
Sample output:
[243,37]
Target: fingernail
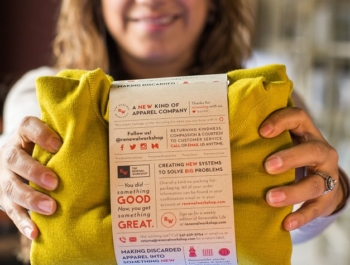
[49,181]
[273,163]
[276,196]
[27,230]
[54,143]
[293,224]
[46,206]
[266,129]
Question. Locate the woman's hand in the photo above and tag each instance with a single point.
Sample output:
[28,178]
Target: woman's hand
[312,152]
[17,167]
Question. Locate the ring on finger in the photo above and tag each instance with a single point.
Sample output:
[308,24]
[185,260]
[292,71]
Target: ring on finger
[329,181]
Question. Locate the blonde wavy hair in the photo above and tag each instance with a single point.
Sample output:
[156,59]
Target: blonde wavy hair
[82,39]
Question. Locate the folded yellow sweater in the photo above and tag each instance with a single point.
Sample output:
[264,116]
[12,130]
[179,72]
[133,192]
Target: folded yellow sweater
[75,104]
[253,95]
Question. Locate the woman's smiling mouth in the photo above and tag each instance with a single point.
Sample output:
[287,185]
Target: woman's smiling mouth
[155,21]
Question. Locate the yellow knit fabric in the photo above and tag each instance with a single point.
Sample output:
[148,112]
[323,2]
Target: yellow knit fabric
[75,104]
[253,95]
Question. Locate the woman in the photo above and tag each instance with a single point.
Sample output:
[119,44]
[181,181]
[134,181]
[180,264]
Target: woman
[132,39]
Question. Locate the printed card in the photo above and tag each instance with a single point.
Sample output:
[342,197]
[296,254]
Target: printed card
[170,168]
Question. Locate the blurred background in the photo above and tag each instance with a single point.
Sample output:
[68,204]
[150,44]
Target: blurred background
[312,38]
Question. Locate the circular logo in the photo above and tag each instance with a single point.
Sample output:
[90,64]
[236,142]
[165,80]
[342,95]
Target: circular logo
[121,111]
[168,220]
[224,251]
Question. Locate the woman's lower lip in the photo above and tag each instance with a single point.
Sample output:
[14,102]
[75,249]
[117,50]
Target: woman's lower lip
[154,27]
